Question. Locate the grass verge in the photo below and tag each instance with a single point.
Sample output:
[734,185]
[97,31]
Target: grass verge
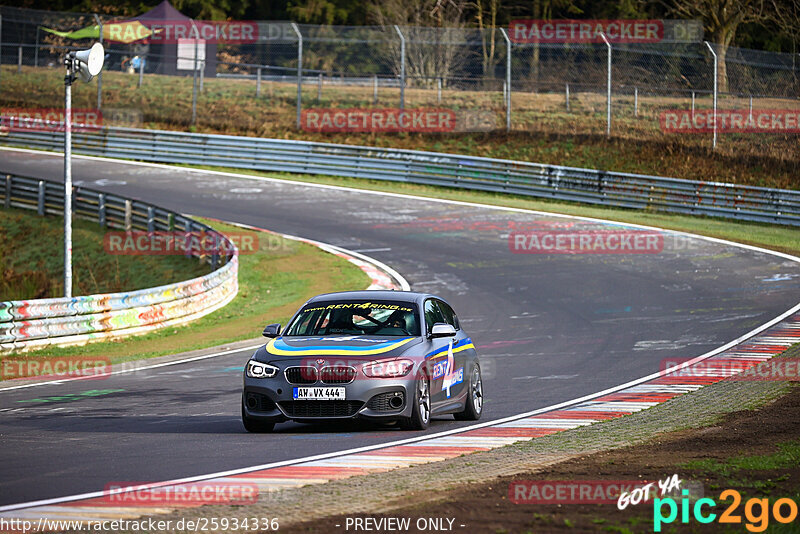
[542,130]
[273,282]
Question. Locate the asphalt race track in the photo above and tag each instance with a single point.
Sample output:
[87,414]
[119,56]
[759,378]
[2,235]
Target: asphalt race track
[548,328]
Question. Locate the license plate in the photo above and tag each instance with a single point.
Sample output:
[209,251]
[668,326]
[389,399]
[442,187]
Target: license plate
[318,393]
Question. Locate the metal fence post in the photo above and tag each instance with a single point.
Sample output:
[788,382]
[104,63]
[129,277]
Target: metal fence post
[215,254]
[258,82]
[99,74]
[508,79]
[635,101]
[128,216]
[1,44]
[19,59]
[299,72]
[36,49]
[40,200]
[187,227]
[319,88]
[716,79]
[608,85]
[202,74]
[402,67]
[194,74]
[101,210]
[751,109]
[141,71]
[9,184]
[439,91]
[151,219]
[68,186]
[692,105]
[375,90]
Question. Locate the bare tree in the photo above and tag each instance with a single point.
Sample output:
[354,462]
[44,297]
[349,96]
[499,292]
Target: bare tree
[543,10]
[786,16]
[721,19]
[486,19]
[433,29]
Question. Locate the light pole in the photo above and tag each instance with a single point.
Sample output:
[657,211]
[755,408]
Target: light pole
[86,64]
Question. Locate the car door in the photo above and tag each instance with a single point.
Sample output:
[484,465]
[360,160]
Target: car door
[436,354]
[455,382]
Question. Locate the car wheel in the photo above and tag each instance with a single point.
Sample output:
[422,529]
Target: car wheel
[473,405]
[254,425]
[421,410]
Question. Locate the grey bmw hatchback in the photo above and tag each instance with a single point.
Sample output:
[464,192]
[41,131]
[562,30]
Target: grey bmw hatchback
[373,355]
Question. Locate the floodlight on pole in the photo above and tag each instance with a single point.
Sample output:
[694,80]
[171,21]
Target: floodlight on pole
[85,64]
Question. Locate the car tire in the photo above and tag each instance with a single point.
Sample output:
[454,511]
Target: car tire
[254,425]
[473,404]
[421,409]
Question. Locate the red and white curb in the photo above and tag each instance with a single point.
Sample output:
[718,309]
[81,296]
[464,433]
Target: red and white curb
[737,356]
[381,275]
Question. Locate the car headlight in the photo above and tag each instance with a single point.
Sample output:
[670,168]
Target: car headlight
[388,368]
[260,370]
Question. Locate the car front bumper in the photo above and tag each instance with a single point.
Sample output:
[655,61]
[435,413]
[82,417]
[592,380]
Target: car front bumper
[271,400]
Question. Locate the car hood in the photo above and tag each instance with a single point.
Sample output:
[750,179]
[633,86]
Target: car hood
[351,347]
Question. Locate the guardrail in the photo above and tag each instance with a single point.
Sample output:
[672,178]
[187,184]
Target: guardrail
[26,324]
[554,182]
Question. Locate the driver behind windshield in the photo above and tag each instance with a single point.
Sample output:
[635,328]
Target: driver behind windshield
[382,319]
[343,322]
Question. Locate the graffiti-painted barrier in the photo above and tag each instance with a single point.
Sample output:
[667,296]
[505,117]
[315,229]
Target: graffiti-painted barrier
[27,324]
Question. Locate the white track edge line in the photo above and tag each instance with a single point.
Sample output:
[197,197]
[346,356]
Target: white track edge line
[405,195]
[449,432]
[199,478]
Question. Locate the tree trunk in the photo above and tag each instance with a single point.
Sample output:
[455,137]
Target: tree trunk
[534,61]
[722,67]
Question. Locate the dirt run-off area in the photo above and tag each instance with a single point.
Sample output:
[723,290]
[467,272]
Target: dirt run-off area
[755,452]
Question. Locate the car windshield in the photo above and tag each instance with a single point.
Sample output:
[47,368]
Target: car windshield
[356,318]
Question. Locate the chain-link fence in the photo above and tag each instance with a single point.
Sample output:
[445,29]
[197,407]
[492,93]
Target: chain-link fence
[286,76]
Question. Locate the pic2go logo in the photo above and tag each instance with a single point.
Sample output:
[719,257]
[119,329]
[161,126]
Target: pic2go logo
[783,510]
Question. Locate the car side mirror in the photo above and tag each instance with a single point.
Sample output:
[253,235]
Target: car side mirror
[442,330]
[272,330]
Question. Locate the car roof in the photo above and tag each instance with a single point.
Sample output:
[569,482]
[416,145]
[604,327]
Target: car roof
[402,296]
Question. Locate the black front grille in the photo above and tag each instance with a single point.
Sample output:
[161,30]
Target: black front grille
[301,375]
[382,401]
[321,408]
[256,402]
[337,375]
